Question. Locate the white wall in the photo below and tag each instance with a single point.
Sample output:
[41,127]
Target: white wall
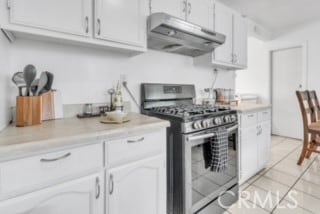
[255,79]
[309,34]
[4,82]
[83,75]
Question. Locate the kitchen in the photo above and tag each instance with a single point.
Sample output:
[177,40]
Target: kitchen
[94,46]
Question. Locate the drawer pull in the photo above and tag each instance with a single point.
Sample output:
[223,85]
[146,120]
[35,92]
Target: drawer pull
[56,159]
[110,184]
[97,188]
[136,141]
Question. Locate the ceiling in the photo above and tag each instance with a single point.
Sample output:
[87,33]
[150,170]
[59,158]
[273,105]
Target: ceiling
[277,16]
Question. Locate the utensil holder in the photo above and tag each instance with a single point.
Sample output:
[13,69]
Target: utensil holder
[28,111]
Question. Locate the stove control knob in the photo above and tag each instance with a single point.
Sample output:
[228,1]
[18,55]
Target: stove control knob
[217,121]
[227,119]
[233,118]
[206,123]
[197,125]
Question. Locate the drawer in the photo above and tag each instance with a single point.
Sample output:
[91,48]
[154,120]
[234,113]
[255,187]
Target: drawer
[29,174]
[248,119]
[264,115]
[135,148]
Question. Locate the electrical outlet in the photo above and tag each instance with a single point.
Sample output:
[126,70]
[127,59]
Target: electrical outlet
[123,78]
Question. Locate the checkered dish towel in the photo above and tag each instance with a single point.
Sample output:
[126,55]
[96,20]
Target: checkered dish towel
[216,151]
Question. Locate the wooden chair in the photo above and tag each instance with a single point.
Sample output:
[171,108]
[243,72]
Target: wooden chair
[311,128]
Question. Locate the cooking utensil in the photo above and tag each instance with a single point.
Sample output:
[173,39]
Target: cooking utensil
[29,74]
[34,87]
[48,86]
[111,92]
[18,80]
[42,83]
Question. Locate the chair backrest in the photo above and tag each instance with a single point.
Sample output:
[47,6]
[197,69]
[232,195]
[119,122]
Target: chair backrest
[314,105]
[303,98]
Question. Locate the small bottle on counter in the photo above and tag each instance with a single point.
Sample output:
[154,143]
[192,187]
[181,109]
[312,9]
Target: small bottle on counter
[118,100]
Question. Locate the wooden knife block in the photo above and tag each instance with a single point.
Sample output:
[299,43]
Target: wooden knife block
[28,111]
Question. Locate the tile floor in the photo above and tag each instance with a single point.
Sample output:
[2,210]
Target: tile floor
[283,183]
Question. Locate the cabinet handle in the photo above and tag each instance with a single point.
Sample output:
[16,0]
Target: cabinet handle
[55,159]
[99,26]
[110,184]
[235,58]
[184,6]
[250,115]
[97,188]
[136,141]
[87,24]
[190,7]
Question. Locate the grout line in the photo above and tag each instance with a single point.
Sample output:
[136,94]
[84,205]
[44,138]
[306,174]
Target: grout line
[299,178]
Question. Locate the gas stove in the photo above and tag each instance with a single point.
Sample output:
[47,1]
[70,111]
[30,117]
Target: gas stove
[196,117]
[191,127]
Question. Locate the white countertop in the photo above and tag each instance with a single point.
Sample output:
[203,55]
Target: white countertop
[57,134]
[249,107]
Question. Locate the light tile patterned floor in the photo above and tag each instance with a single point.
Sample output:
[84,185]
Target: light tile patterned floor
[283,182]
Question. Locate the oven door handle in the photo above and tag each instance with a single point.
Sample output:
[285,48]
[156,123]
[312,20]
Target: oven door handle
[200,137]
[232,128]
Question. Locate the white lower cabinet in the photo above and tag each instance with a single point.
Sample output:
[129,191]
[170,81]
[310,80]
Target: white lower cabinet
[255,143]
[81,196]
[137,188]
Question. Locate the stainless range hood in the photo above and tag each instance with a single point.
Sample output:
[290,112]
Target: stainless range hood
[174,35]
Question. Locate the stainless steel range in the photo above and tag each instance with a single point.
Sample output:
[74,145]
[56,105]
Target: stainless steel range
[192,187]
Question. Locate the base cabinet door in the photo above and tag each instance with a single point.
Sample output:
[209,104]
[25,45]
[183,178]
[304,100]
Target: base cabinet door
[72,16]
[248,153]
[121,21]
[137,188]
[264,141]
[82,196]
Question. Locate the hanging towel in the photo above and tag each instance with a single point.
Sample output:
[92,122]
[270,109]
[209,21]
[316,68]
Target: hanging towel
[215,151]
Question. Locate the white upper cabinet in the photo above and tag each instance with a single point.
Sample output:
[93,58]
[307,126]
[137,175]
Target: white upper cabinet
[223,24]
[71,17]
[137,188]
[121,21]
[175,8]
[200,12]
[240,40]
[233,53]
[82,196]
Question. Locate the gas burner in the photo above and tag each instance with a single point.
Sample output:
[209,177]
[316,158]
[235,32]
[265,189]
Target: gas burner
[184,111]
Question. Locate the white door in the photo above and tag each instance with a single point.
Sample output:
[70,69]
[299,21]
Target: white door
[72,16]
[175,8]
[82,196]
[248,152]
[240,40]
[287,74]
[223,24]
[121,21]
[200,12]
[264,140]
[137,188]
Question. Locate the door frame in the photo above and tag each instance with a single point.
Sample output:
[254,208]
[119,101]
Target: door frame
[285,46]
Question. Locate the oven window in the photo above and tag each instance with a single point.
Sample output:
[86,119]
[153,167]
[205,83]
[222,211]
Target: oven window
[205,183]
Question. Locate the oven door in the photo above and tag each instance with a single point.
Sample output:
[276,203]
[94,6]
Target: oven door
[203,186]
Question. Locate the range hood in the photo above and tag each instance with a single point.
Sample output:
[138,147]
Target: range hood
[174,35]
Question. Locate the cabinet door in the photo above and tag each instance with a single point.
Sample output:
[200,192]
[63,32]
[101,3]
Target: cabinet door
[175,8]
[240,40]
[83,196]
[121,21]
[137,188]
[223,24]
[72,16]
[248,152]
[264,143]
[200,12]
